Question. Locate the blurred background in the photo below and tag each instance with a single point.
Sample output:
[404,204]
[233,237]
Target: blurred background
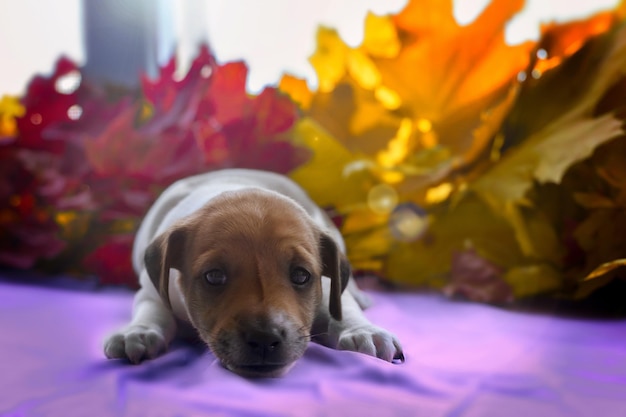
[272,36]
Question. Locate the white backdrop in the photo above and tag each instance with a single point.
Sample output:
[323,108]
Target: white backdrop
[273,36]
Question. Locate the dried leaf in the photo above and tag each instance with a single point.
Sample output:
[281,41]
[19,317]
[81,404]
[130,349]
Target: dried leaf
[543,157]
[605,268]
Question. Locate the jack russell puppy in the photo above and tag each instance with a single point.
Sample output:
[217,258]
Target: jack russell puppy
[255,267]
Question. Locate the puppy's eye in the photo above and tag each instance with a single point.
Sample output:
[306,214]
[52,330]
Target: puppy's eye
[215,277]
[300,276]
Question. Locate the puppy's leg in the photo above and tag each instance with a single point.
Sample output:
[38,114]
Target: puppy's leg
[150,331]
[355,332]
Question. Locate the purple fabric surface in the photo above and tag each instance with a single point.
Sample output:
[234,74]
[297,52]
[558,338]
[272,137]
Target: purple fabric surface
[463,360]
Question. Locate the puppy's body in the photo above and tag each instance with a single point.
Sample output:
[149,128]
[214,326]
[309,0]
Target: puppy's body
[254,266]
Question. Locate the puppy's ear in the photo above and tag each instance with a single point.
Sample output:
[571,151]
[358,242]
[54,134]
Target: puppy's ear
[165,252]
[337,268]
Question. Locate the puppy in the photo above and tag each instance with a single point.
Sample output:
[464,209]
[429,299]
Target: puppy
[254,266]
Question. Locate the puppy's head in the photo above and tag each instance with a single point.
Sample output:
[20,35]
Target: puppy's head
[250,265]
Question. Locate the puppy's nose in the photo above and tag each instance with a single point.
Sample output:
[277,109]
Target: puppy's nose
[262,342]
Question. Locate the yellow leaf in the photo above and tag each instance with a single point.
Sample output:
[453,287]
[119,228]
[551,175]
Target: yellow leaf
[329,59]
[367,250]
[381,38]
[370,125]
[323,176]
[447,80]
[399,147]
[363,70]
[439,193]
[10,108]
[533,279]
[387,97]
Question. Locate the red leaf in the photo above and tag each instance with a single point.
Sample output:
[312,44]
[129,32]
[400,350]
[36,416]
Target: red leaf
[275,112]
[226,100]
[111,262]
[175,102]
[46,106]
[27,232]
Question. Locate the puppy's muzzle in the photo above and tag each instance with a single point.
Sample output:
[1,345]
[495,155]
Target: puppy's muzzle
[264,347]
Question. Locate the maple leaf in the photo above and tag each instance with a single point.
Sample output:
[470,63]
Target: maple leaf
[594,66]
[111,261]
[47,105]
[324,176]
[27,231]
[450,74]
[540,147]
[420,98]
[125,151]
[569,133]
[173,101]
[544,157]
[235,129]
[598,188]
[417,74]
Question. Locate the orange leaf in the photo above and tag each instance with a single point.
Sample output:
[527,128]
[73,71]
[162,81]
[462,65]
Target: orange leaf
[561,40]
[449,74]
[297,89]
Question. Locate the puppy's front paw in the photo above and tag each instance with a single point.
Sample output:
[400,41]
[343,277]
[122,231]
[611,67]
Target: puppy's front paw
[135,343]
[371,340]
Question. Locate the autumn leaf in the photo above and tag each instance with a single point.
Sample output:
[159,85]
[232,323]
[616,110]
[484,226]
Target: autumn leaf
[570,136]
[605,268]
[544,157]
[600,231]
[418,80]
[170,101]
[594,67]
[111,261]
[470,225]
[47,105]
[236,129]
[561,40]
[83,163]
[421,98]
[297,89]
[325,176]
[10,108]
[27,232]
[449,74]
